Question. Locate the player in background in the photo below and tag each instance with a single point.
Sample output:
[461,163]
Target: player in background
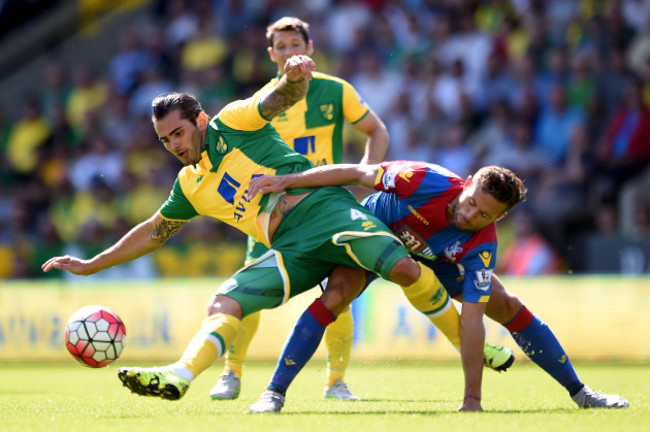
[314,128]
[309,231]
[449,225]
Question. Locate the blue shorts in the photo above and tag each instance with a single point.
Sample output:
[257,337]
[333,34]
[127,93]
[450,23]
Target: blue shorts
[449,276]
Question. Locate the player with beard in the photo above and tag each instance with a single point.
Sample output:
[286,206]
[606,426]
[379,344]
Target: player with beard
[448,224]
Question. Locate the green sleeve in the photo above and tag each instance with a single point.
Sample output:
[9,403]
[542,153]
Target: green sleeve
[177,206]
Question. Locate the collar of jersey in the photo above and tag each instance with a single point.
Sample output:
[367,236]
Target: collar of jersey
[203,166]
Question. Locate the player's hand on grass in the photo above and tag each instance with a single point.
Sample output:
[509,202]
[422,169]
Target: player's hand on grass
[267,184]
[299,67]
[470,404]
[73,265]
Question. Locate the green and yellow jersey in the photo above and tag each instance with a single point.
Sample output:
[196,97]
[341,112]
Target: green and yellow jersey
[240,145]
[314,126]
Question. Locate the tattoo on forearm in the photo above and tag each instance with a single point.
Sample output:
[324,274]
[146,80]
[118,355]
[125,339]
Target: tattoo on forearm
[165,229]
[283,97]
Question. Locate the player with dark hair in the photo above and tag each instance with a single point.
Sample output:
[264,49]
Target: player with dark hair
[449,225]
[309,231]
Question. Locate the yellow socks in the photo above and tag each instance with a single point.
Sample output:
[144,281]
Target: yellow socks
[429,297]
[338,338]
[215,336]
[237,353]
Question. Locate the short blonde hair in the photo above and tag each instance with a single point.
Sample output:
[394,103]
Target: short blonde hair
[288,24]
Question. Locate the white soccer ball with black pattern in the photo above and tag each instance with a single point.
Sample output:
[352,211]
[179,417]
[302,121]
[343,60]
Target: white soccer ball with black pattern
[95,336]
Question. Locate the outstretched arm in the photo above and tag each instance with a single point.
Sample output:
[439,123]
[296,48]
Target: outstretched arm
[144,238]
[472,339]
[328,175]
[292,87]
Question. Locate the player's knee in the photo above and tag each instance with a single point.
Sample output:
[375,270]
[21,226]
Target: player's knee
[344,285]
[512,306]
[405,272]
[221,304]
[503,306]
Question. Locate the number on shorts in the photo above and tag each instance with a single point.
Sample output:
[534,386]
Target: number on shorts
[356,214]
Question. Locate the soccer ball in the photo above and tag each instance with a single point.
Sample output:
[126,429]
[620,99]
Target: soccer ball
[95,336]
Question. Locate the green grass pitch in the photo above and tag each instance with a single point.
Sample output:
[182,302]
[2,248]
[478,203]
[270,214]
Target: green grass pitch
[399,396]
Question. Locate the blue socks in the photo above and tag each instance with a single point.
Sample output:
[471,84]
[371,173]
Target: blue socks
[302,343]
[540,345]
[533,336]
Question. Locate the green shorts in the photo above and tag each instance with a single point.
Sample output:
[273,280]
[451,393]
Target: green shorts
[254,249]
[326,229]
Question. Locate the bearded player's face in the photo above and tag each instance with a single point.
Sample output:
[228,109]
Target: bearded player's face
[475,209]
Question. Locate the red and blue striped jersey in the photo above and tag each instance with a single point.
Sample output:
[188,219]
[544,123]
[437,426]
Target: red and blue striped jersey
[412,200]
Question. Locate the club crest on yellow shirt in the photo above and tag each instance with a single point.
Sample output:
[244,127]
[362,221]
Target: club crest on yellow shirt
[222,145]
[327,111]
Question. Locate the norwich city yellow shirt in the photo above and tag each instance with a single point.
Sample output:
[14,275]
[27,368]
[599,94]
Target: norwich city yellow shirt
[313,127]
[240,145]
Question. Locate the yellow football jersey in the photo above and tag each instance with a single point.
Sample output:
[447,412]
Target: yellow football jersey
[314,126]
[240,145]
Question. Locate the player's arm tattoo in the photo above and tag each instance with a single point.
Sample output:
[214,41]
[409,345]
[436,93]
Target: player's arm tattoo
[166,229]
[283,96]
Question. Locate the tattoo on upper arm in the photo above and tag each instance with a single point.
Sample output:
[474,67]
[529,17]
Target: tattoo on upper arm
[282,98]
[166,229]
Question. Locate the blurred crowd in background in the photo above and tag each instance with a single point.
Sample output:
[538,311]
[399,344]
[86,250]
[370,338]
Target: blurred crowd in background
[556,90]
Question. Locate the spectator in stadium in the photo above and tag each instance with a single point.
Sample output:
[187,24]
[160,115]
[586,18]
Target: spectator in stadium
[448,225]
[561,199]
[221,157]
[27,136]
[554,72]
[496,82]
[625,149]
[453,151]
[100,159]
[182,23]
[87,96]
[314,129]
[130,61]
[581,86]
[204,50]
[634,207]
[380,87]
[345,21]
[612,80]
[556,124]
[152,83]
[528,253]
[451,87]
[466,53]
[55,90]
